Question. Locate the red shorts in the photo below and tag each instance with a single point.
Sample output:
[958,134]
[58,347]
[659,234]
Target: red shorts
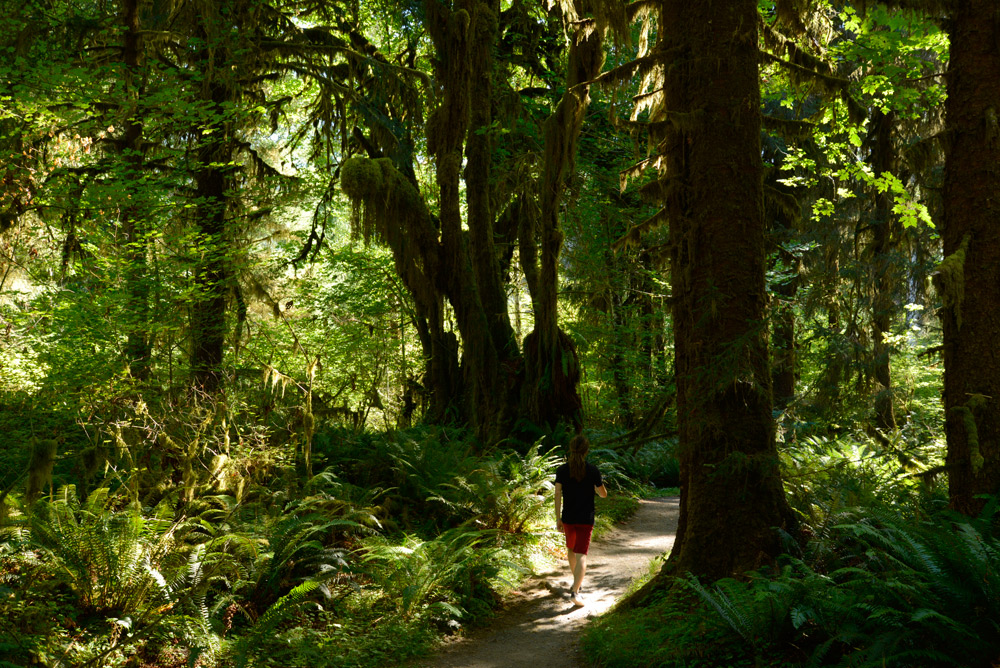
[578,537]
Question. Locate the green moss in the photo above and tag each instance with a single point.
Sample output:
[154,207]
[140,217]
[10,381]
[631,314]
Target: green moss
[949,279]
[486,24]
[360,178]
[460,24]
[965,412]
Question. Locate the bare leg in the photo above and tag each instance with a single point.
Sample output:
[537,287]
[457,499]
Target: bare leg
[579,568]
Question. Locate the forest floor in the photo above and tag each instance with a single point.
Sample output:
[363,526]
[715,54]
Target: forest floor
[539,627]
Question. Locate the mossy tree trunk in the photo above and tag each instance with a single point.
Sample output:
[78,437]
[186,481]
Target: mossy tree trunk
[213,165]
[453,256]
[462,251]
[551,365]
[732,499]
[968,278]
[460,127]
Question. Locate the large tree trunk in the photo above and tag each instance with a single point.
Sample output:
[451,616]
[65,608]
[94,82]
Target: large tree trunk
[490,358]
[732,499]
[465,38]
[436,257]
[968,279]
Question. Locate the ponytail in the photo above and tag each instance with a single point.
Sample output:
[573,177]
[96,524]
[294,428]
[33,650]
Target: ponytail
[578,449]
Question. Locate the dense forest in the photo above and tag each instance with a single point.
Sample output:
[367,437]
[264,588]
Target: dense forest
[301,301]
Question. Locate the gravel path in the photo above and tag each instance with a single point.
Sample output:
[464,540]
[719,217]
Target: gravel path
[540,627]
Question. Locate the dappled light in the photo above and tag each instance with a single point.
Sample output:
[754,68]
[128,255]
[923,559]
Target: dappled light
[332,332]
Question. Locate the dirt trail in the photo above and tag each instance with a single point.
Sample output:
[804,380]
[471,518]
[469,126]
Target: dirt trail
[541,628]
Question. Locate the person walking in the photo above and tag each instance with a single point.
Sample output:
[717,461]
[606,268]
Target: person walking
[577,482]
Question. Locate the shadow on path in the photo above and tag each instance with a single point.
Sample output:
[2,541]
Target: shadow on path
[541,628]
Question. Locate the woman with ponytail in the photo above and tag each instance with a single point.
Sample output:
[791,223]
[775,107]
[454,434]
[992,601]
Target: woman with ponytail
[577,481]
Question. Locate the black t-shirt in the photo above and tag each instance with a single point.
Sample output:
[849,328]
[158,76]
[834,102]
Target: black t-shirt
[578,495]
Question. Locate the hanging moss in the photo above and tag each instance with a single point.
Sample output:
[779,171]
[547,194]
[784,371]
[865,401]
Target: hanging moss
[949,280]
[966,413]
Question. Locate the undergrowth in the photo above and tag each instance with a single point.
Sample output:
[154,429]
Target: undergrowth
[897,581]
[397,539]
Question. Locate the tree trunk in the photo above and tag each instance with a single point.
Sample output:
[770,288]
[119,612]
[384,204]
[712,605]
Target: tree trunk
[967,279]
[208,312]
[651,310]
[783,353]
[731,493]
[834,372]
[619,369]
[783,374]
[465,39]
[137,347]
[213,165]
[882,161]
[491,358]
[437,258]
[551,372]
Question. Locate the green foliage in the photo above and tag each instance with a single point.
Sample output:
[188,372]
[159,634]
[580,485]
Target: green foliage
[824,476]
[250,647]
[875,589]
[653,463]
[194,540]
[677,630]
[510,494]
[111,559]
[443,577]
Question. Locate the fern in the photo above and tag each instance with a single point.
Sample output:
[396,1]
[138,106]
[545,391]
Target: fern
[418,574]
[246,650]
[110,559]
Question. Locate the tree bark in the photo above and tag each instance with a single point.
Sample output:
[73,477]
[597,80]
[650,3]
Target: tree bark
[969,277]
[883,226]
[491,362]
[732,501]
[213,152]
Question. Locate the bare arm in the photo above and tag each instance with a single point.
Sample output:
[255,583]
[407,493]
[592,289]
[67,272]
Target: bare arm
[558,498]
[602,491]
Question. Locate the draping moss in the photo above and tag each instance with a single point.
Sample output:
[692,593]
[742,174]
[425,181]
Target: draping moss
[949,280]
[967,414]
